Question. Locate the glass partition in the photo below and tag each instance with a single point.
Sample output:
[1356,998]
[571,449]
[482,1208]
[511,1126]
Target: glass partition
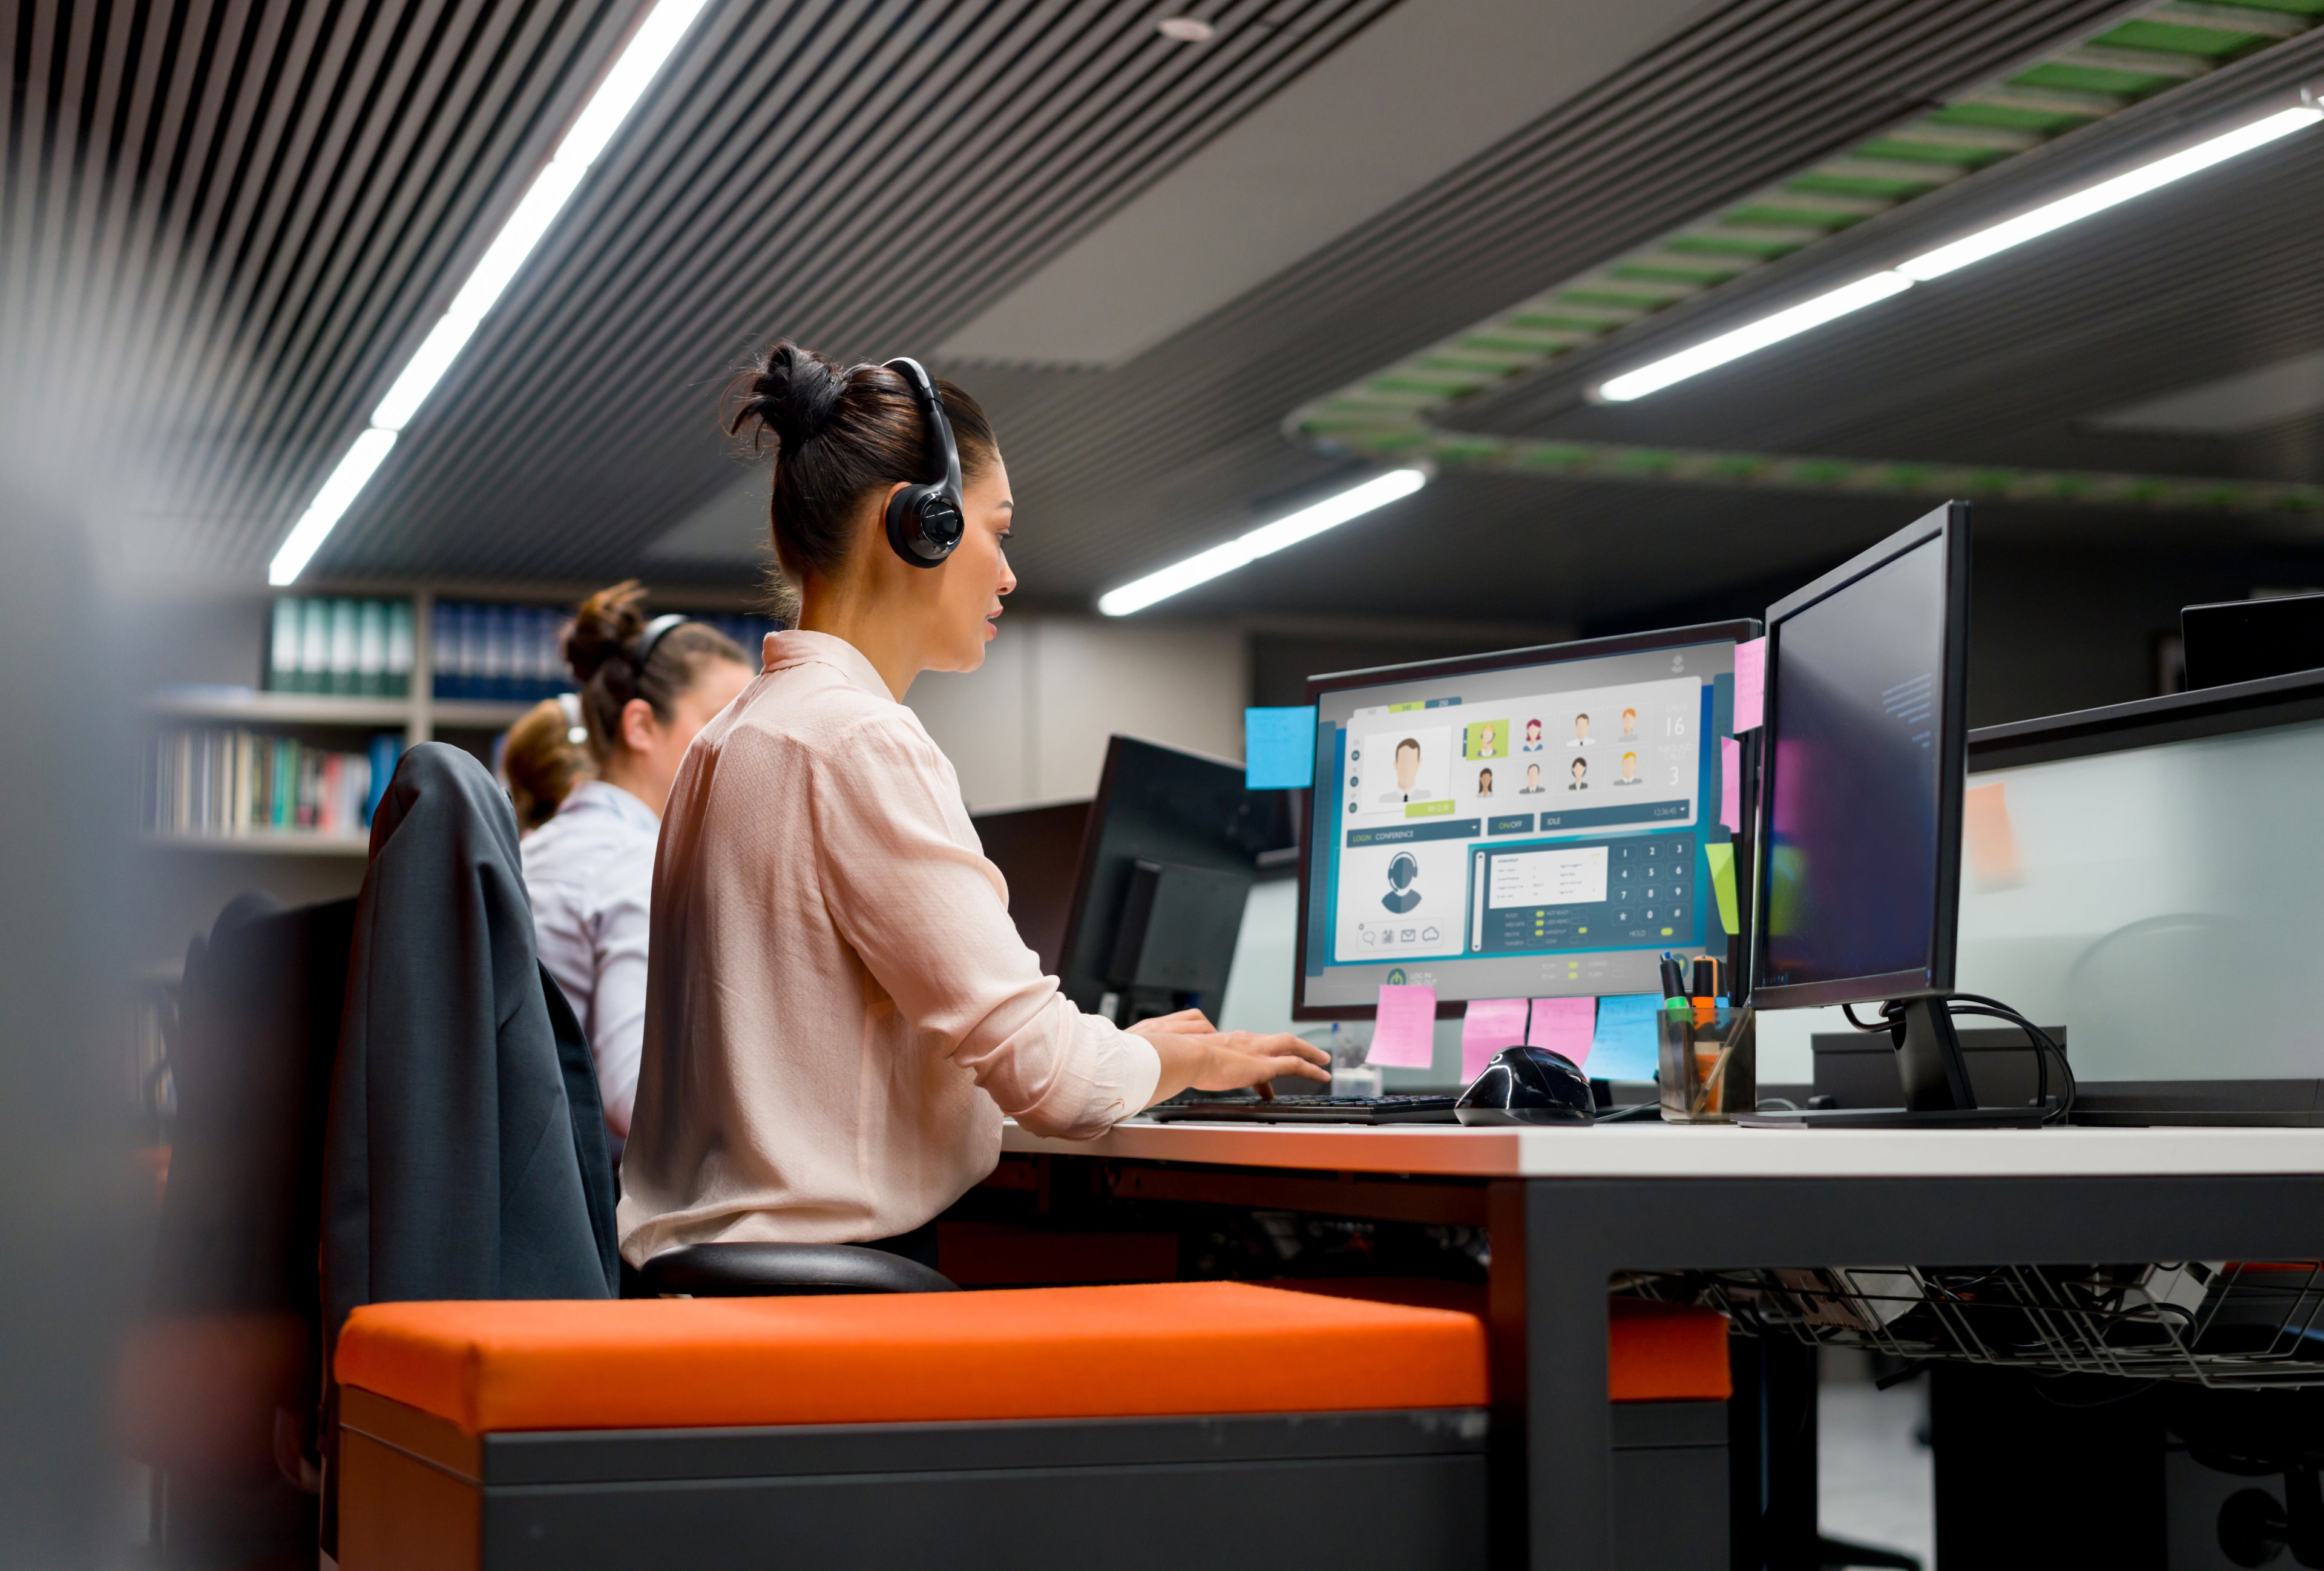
[2162,903]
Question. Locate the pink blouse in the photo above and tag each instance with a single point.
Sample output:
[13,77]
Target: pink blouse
[838,1008]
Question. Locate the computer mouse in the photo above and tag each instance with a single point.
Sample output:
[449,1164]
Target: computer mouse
[1528,1085]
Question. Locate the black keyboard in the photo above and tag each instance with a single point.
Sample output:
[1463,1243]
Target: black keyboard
[1310,1109]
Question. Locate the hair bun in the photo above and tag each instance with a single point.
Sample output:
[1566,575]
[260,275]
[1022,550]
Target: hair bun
[793,393]
[603,626]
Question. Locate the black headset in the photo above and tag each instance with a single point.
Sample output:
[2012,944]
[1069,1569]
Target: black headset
[641,648]
[925,520]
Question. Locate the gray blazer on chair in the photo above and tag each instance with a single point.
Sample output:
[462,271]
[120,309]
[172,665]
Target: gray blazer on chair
[465,1153]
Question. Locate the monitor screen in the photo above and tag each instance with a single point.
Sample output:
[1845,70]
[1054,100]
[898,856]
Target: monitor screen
[1537,824]
[1189,820]
[1855,774]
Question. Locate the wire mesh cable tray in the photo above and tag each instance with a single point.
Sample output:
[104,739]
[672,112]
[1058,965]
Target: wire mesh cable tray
[2215,1324]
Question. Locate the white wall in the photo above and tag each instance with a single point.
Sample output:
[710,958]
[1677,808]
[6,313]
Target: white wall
[1031,726]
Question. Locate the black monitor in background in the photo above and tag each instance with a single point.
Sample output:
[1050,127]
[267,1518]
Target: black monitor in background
[2242,640]
[1172,847]
[1037,850]
[1861,769]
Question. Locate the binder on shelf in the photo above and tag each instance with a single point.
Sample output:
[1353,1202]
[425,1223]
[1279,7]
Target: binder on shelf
[283,647]
[371,648]
[400,649]
[346,639]
[314,646]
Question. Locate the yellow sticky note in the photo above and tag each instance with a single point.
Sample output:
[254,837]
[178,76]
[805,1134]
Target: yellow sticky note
[1722,880]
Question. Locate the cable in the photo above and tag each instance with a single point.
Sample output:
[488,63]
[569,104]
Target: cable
[2040,1059]
[2041,1040]
[1849,1010]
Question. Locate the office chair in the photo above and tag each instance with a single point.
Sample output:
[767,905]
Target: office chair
[221,1382]
[740,1270]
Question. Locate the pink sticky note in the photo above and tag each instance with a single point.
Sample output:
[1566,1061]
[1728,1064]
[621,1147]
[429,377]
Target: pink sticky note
[1731,784]
[1405,1035]
[1490,1025]
[1565,1025]
[1750,683]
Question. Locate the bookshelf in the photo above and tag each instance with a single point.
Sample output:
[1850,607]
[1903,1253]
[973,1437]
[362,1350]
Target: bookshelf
[329,720]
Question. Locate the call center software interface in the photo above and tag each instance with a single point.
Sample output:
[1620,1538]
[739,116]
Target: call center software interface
[1534,831]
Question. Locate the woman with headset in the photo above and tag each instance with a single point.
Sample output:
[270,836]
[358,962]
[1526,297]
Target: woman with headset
[646,689]
[839,1010]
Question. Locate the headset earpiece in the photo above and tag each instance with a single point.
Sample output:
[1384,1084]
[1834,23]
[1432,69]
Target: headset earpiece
[925,521]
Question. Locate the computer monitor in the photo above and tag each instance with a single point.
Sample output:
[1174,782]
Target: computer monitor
[1536,823]
[1860,794]
[1171,849]
[1037,850]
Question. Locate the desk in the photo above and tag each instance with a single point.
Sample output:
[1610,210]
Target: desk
[1568,1208]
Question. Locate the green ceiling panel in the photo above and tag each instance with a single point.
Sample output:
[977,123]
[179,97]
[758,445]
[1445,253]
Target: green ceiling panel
[1780,217]
[1902,147]
[1731,245]
[2007,117]
[2211,42]
[1394,410]
[2094,79]
[1856,185]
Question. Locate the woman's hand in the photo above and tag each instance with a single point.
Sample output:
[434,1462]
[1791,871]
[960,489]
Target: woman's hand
[1197,1055]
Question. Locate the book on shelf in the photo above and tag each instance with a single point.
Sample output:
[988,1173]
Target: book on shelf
[230,781]
[345,648]
[516,653]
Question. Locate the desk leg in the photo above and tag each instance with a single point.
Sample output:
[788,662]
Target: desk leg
[1553,1425]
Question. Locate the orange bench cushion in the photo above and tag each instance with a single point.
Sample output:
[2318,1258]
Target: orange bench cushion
[1655,1351]
[1138,1350]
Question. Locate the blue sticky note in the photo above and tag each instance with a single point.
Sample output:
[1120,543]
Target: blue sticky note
[1278,748]
[1626,1046]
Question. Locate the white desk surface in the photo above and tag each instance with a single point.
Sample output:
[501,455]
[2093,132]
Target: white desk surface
[1661,1150]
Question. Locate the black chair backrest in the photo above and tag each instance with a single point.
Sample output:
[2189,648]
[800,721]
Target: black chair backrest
[258,1027]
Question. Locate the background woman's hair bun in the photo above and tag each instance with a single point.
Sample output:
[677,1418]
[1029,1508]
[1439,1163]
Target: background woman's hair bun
[603,626]
[793,393]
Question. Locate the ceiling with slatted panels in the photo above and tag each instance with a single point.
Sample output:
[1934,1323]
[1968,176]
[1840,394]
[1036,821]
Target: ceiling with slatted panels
[226,226]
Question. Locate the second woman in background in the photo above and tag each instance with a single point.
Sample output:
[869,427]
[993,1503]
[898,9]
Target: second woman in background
[546,756]
[647,689]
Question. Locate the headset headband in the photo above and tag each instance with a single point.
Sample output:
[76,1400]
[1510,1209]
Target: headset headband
[943,453]
[641,648]
[576,732]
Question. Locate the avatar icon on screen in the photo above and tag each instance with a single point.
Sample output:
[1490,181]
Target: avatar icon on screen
[1484,782]
[1531,737]
[1401,897]
[1408,769]
[1582,738]
[1533,786]
[1629,770]
[1630,722]
[1580,775]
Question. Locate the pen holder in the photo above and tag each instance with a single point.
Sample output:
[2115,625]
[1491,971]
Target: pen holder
[1708,1072]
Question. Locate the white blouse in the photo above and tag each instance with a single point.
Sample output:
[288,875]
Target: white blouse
[589,872]
[839,1010]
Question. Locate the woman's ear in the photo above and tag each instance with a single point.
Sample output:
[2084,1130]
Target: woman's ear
[638,727]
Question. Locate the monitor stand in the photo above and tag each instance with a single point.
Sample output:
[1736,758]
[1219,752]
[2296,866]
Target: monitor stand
[1937,1091]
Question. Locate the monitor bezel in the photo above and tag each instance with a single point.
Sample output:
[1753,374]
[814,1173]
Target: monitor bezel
[1949,526]
[1738,630]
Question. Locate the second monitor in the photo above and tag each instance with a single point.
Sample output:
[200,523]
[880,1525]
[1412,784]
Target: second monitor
[1540,823]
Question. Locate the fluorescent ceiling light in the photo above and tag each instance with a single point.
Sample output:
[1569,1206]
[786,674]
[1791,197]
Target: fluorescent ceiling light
[2107,194]
[1752,337]
[1264,540]
[1933,264]
[640,60]
[331,501]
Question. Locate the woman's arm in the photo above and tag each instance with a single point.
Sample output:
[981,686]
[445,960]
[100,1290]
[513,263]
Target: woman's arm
[1196,1055]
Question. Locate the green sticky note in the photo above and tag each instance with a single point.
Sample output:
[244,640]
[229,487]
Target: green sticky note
[1722,880]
